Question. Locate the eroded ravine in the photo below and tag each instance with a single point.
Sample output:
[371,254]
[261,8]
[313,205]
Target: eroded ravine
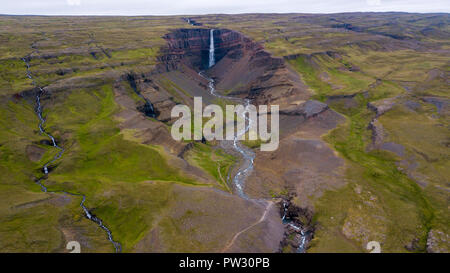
[304,235]
[45,167]
[248,157]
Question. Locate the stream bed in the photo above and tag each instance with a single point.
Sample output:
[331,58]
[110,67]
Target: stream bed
[45,167]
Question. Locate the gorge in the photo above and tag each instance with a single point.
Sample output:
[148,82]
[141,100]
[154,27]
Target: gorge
[247,155]
[87,155]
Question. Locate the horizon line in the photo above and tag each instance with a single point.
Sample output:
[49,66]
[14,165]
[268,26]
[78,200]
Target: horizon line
[212,14]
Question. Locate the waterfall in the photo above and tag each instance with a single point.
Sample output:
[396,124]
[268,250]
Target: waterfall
[212,60]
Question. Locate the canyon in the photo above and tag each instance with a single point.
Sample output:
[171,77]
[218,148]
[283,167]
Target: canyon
[351,166]
[257,68]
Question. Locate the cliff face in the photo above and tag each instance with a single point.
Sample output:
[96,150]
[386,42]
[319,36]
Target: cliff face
[250,71]
[242,67]
[192,46]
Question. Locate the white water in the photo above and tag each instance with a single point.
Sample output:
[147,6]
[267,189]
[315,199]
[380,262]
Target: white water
[41,125]
[99,222]
[247,154]
[302,244]
[212,60]
[88,215]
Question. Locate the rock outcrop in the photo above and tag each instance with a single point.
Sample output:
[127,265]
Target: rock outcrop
[438,242]
[442,104]
[377,133]
[382,106]
[243,67]
[308,109]
[156,102]
[191,46]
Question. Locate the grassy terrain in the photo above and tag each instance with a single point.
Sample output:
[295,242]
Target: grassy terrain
[398,198]
[32,221]
[382,200]
[134,188]
[214,161]
[391,196]
[101,161]
[395,198]
[102,150]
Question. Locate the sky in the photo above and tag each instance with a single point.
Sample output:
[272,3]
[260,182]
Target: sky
[192,7]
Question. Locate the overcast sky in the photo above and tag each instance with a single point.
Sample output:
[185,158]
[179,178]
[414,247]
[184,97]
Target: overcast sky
[168,7]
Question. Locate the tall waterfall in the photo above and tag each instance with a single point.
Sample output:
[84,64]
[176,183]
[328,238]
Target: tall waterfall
[212,60]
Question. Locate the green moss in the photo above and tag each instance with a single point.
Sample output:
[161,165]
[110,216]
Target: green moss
[133,210]
[311,78]
[114,170]
[13,76]
[252,144]
[98,160]
[148,54]
[400,199]
[214,161]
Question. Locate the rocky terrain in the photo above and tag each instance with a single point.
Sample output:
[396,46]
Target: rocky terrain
[364,126]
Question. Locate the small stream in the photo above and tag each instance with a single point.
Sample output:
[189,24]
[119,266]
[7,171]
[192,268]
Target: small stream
[45,167]
[247,154]
[303,239]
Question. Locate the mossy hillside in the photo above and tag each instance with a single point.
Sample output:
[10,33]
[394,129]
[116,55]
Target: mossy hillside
[214,161]
[63,51]
[420,133]
[112,169]
[342,73]
[40,222]
[32,229]
[424,137]
[18,130]
[311,77]
[81,120]
[402,211]
[399,65]
[289,34]
[131,210]
[101,150]
[33,221]
[50,70]
[339,80]
[74,34]
[400,200]
[13,77]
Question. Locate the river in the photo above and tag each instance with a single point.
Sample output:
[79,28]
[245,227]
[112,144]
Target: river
[247,154]
[39,181]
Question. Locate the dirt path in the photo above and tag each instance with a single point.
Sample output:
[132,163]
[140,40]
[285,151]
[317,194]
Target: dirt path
[263,217]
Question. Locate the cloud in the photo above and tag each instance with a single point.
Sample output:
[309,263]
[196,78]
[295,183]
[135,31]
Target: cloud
[373,2]
[73,2]
[172,7]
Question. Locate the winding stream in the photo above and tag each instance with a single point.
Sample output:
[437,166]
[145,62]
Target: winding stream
[247,154]
[303,235]
[238,180]
[38,110]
